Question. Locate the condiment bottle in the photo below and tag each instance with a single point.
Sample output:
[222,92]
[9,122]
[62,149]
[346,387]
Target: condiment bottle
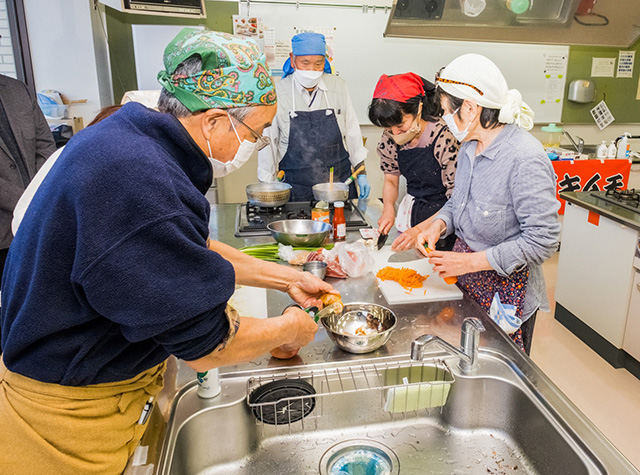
[321,212]
[339,222]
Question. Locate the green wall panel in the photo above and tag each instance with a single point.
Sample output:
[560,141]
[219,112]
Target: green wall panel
[123,71]
[619,93]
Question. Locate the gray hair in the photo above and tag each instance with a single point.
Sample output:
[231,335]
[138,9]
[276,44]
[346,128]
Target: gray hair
[170,105]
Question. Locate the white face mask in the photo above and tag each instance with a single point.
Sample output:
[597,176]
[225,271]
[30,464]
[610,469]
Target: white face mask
[453,127]
[307,79]
[242,156]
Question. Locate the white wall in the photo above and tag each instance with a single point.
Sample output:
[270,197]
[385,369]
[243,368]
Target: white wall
[7,61]
[63,53]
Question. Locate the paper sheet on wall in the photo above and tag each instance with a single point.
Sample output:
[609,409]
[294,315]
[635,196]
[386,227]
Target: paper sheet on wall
[251,28]
[602,115]
[625,64]
[555,67]
[603,67]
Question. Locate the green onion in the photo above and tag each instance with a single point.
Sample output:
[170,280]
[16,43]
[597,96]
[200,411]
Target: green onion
[269,252]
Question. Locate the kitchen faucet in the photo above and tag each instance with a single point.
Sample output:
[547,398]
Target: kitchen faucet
[469,341]
[579,146]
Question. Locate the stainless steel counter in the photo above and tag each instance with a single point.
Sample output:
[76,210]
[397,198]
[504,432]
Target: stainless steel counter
[616,213]
[441,318]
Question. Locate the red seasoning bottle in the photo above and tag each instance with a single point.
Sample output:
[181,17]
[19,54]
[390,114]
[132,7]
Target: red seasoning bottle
[339,223]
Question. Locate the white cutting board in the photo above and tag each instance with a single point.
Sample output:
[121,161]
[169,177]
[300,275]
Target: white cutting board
[433,289]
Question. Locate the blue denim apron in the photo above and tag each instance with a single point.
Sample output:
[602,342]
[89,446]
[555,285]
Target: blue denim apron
[315,145]
[424,182]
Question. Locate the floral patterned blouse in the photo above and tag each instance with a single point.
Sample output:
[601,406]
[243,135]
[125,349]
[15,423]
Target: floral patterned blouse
[445,151]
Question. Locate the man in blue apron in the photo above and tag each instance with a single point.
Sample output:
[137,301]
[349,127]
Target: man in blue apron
[315,128]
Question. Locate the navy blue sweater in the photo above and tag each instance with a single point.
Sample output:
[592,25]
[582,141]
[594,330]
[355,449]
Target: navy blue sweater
[109,272]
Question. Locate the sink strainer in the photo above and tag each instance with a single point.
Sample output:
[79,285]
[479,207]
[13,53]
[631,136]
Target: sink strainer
[359,457]
[283,401]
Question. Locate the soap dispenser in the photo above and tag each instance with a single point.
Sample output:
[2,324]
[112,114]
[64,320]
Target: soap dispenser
[602,150]
[612,150]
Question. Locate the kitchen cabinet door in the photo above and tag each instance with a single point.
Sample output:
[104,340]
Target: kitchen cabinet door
[595,272]
[632,332]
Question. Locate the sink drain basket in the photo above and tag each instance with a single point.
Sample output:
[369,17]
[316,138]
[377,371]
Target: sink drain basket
[359,456]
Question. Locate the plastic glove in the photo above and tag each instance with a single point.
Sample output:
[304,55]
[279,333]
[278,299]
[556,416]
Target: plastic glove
[365,187]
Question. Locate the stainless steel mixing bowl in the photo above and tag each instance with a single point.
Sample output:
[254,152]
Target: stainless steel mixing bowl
[299,232]
[341,327]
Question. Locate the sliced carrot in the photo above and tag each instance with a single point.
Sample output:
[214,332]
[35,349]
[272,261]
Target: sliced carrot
[451,280]
[407,278]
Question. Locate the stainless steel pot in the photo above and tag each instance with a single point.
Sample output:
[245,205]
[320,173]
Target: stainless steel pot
[341,327]
[331,193]
[268,194]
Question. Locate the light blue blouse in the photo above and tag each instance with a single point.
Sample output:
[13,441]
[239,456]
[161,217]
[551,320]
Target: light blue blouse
[504,202]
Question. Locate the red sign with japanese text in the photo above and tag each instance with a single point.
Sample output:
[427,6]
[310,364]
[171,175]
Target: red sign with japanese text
[590,175]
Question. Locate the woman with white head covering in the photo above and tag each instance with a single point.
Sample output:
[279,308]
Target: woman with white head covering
[503,208]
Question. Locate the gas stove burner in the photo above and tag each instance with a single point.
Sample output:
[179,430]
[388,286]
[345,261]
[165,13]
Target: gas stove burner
[302,214]
[254,209]
[631,196]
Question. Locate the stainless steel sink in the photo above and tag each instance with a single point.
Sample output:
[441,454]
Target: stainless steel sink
[493,422]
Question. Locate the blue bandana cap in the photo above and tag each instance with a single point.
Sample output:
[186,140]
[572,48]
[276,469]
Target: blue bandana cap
[307,44]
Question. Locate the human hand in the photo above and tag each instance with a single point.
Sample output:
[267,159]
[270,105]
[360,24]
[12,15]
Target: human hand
[300,330]
[306,289]
[365,187]
[450,264]
[406,240]
[427,239]
[386,221]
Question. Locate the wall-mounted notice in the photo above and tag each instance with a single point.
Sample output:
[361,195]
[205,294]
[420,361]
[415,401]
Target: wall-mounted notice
[249,27]
[625,64]
[603,67]
[554,69]
[602,115]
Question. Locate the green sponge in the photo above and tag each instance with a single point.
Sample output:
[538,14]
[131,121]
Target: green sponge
[412,398]
[408,395]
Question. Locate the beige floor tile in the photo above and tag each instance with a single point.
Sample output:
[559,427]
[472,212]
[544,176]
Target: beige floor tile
[609,397]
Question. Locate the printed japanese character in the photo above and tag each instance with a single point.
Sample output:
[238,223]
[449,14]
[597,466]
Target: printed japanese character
[613,182]
[592,183]
[569,183]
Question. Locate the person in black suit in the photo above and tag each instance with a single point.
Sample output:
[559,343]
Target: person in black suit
[25,143]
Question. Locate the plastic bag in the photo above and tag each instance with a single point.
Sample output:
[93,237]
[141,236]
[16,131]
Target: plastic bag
[295,258]
[334,269]
[355,258]
[504,315]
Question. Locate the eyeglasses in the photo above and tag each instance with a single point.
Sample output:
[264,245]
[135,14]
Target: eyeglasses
[261,140]
[451,81]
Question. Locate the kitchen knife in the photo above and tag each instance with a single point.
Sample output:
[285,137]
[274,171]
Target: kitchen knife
[382,240]
[406,256]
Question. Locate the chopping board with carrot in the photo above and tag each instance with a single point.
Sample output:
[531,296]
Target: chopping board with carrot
[411,281]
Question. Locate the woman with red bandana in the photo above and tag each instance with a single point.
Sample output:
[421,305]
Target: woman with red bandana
[417,145]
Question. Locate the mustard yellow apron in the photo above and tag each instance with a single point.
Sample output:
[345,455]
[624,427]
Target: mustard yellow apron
[51,429]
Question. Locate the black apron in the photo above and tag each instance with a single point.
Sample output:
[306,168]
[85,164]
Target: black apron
[424,182]
[315,145]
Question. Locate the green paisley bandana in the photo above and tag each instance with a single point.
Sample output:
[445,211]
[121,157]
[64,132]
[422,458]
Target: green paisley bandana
[234,72]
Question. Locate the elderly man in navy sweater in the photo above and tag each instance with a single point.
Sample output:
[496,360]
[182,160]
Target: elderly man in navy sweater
[112,271]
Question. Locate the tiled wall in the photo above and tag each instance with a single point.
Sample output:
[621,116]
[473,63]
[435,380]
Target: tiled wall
[7,61]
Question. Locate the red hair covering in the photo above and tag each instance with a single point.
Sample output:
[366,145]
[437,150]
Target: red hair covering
[399,87]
